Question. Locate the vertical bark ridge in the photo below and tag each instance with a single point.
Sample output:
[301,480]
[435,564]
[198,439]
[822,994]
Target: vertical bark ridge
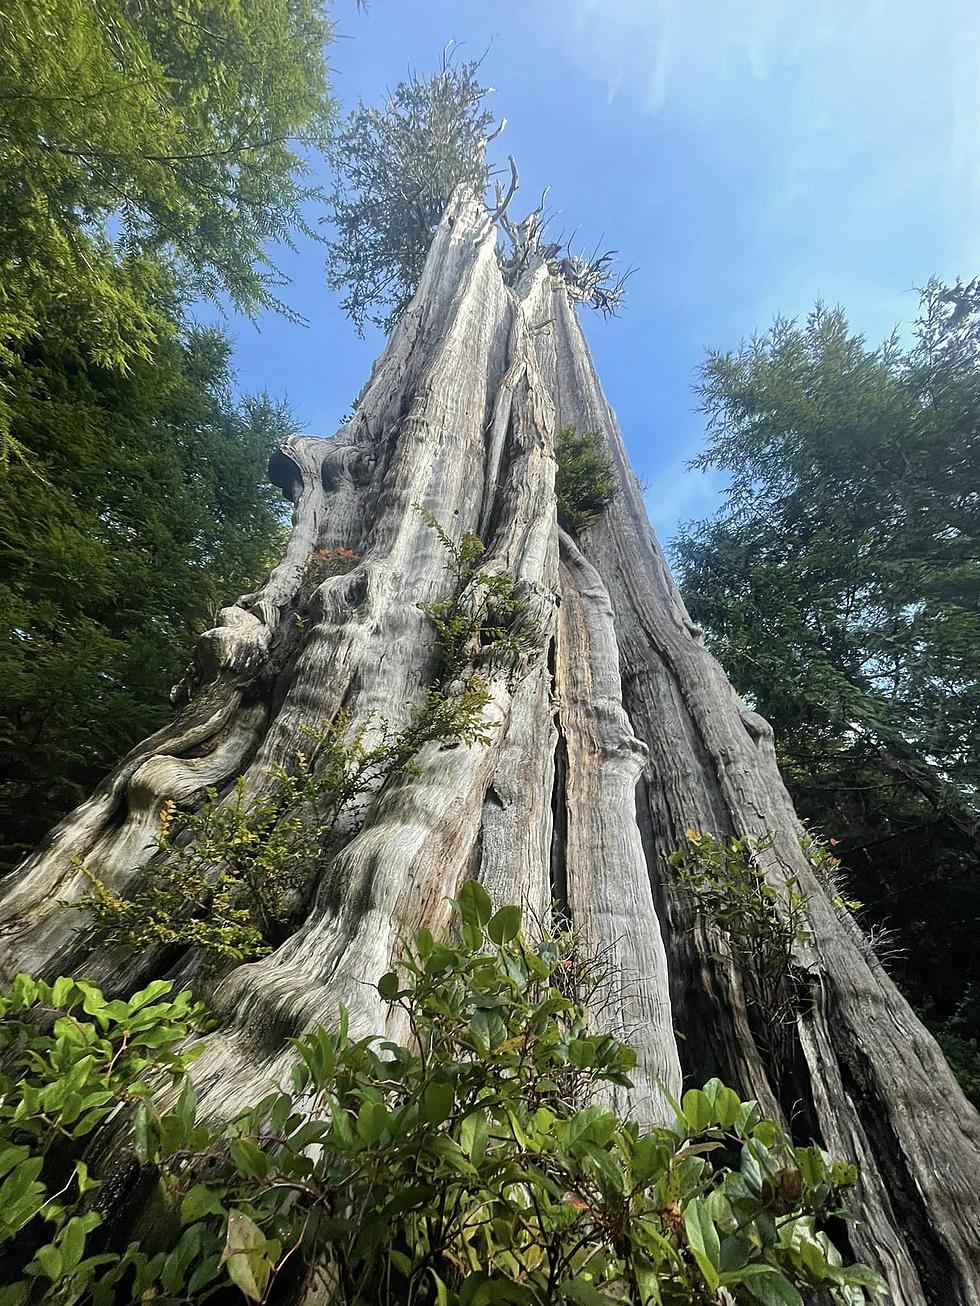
[458,416]
[610,899]
[932,1129]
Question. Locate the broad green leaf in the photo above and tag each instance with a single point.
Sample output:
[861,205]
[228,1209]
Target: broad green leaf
[583,1293]
[438,1100]
[475,906]
[249,1158]
[372,1120]
[505,925]
[473,1136]
[199,1201]
[773,1290]
[247,1255]
[703,1240]
[72,1241]
[697,1110]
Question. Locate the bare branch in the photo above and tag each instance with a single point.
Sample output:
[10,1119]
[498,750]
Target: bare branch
[502,199]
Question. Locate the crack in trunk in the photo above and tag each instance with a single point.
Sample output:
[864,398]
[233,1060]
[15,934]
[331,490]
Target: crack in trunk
[581,804]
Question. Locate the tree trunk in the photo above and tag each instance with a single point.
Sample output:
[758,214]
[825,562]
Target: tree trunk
[613,737]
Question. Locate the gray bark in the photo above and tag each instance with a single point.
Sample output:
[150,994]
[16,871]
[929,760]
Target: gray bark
[617,734]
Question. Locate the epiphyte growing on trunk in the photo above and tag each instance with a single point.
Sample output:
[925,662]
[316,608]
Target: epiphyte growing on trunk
[235,873]
[585,483]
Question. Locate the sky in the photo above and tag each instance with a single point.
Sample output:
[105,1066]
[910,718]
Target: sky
[747,156]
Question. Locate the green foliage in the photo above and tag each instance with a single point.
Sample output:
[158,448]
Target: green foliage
[232,876]
[839,586]
[959,1037]
[763,926]
[585,483]
[482,621]
[763,919]
[395,169]
[146,145]
[476,1166]
[145,507]
[71,1062]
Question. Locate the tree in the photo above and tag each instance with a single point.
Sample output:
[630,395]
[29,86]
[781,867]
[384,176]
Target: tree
[839,587]
[147,144]
[394,170]
[609,733]
[142,506]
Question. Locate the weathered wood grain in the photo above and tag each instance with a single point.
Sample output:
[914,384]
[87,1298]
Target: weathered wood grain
[612,736]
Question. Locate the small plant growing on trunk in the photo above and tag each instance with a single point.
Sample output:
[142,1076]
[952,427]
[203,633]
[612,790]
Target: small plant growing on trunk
[483,620]
[232,875]
[585,484]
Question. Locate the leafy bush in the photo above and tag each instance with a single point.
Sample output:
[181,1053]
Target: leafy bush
[71,1061]
[959,1043]
[585,483]
[322,564]
[476,1167]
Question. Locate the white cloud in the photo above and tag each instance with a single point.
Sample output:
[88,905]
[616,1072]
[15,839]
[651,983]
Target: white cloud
[649,51]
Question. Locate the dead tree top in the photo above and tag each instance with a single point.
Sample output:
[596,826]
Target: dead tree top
[591,279]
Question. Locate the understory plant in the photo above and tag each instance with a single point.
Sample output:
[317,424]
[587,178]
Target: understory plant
[479,1165]
[321,565]
[72,1061]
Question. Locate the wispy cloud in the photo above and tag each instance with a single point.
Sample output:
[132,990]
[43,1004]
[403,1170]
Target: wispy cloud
[679,494]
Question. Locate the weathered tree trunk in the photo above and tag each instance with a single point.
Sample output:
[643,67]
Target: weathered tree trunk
[617,734]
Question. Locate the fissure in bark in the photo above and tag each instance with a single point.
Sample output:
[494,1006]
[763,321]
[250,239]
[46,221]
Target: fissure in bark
[600,757]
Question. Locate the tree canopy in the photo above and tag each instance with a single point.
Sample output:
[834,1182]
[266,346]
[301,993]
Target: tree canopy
[144,507]
[149,145]
[839,585]
[394,169]
[150,156]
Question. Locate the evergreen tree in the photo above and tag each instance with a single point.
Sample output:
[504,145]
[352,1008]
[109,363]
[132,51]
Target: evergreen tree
[144,144]
[839,586]
[143,507]
[394,170]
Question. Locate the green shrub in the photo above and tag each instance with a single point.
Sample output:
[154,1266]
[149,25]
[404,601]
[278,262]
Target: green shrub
[237,871]
[585,483]
[475,1167]
[71,1061]
[482,621]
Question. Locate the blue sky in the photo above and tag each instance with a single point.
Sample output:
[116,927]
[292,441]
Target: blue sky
[749,156]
